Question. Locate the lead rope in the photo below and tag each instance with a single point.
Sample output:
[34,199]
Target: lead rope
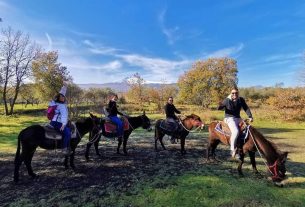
[259,151]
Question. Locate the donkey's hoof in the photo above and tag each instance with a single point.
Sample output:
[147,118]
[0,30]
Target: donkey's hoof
[34,176]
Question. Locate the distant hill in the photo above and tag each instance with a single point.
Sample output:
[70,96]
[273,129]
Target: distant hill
[119,86]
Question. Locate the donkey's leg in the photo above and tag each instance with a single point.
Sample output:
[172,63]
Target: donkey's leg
[161,141]
[212,147]
[66,162]
[253,162]
[156,138]
[159,136]
[72,159]
[88,150]
[182,141]
[239,168]
[125,144]
[119,145]
[96,147]
[28,155]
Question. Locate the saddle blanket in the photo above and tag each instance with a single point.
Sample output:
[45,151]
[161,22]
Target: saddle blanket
[170,126]
[222,128]
[51,133]
[111,127]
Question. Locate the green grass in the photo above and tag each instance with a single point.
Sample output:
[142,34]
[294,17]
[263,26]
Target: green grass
[208,185]
[211,190]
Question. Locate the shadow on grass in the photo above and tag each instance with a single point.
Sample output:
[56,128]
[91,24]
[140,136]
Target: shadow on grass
[278,130]
[144,177]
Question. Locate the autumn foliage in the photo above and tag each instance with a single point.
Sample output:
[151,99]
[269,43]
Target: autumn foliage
[207,81]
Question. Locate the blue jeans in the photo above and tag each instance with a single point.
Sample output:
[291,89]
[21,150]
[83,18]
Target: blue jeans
[119,124]
[66,133]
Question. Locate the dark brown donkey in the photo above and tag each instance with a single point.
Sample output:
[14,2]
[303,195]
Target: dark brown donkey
[183,130]
[254,141]
[34,136]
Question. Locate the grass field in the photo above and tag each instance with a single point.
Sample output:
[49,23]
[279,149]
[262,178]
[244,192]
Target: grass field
[149,178]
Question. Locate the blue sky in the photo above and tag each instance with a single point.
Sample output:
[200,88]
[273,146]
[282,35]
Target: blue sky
[104,41]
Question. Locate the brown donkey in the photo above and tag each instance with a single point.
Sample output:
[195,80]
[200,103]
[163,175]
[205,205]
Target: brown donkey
[254,141]
[183,130]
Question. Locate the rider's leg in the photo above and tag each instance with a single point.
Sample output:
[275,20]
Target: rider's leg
[233,125]
[119,124]
[67,138]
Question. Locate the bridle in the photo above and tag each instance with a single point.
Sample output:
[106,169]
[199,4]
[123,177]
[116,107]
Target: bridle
[273,169]
[201,126]
[276,173]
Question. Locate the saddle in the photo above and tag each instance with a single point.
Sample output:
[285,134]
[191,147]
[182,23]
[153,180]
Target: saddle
[169,125]
[51,133]
[111,127]
[224,129]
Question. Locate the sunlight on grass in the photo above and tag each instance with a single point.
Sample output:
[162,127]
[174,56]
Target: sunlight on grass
[208,185]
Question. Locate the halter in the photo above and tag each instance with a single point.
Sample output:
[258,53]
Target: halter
[180,122]
[274,169]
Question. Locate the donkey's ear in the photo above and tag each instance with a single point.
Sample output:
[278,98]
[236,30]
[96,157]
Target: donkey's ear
[143,112]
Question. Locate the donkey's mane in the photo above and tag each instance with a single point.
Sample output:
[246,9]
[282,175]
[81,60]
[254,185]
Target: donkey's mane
[261,136]
[192,116]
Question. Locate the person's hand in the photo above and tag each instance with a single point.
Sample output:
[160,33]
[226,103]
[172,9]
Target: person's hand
[62,128]
[250,119]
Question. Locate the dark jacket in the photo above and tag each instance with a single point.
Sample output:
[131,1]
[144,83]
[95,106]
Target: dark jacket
[233,108]
[170,111]
[112,109]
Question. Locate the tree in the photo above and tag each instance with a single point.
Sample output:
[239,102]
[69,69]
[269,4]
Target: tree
[207,81]
[28,95]
[137,93]
[97,96]
[17,53]
[74,96]
[49,75]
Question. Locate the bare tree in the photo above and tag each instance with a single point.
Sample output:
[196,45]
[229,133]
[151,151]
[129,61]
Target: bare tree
[16,52]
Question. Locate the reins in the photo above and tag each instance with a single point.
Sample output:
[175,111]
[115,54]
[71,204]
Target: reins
[268,167]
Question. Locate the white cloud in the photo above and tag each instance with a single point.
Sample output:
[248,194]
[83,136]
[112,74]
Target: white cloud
[170,33]
[226,52]
[155,65]
[156,69]
[49,41]
[282,57]
[100,49]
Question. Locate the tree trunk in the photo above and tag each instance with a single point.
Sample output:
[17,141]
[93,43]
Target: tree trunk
[4,98]
[12,104]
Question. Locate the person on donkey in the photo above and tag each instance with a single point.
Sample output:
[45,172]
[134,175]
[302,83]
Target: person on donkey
[60,118]
[232,106]
[113,115]
[171,117]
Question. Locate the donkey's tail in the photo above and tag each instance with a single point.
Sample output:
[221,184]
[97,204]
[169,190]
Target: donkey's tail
[17,157]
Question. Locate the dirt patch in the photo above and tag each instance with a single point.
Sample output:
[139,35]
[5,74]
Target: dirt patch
[101,176]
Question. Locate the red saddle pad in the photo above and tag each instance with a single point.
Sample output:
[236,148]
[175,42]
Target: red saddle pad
[110,127]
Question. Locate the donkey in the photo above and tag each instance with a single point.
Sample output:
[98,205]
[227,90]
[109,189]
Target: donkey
[131,123]
[254,141]
[34,136]
[183,130]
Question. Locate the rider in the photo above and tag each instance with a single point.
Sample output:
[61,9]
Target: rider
[170,111]
[232,105]
[60,118]
[113,115]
